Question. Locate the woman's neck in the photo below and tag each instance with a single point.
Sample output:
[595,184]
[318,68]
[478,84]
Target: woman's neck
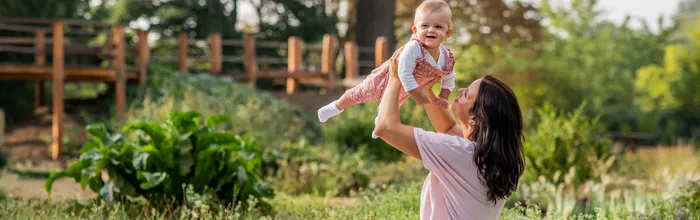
[467,130]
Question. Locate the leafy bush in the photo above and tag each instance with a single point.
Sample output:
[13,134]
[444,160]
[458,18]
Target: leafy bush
[352,130]
[560,142]
[162,161]
[256,111]
[684,205]
[314,170]
[355,135]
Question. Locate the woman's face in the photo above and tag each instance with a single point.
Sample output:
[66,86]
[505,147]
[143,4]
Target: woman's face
[464,103]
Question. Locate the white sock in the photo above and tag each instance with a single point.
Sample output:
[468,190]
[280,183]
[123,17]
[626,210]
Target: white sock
[374,136]
[328,111]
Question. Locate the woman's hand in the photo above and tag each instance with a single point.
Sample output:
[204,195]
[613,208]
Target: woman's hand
[423,94]
[394,64]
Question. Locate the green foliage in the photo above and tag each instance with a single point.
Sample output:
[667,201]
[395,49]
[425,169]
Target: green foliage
[320,171]
[352,130]
[355,135]
[157,160]
[668,94]
[581,57]
[560,142]
[257,112]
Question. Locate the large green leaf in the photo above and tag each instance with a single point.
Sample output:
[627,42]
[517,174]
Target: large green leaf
[185,164]
[206,164]
[150,180]
[185,122]
[215,120]
[74,171]
[140,160]
[98,132]
[157,133]
[207,139]
[107,192]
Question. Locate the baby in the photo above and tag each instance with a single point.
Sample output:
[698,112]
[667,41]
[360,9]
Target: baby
[422,59]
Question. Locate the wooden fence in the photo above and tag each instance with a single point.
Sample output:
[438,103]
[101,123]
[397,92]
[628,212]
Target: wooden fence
[64,37]
[297,69]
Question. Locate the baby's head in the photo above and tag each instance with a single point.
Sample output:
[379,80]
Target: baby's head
[432,23]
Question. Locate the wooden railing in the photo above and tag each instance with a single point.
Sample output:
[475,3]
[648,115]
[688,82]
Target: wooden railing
[298,69]
[64,41]
[61,38]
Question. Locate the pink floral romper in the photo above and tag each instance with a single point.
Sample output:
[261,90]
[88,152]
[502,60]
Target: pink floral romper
[372,88]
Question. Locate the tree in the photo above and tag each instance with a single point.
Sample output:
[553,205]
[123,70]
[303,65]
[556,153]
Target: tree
[668,93]
[487,22]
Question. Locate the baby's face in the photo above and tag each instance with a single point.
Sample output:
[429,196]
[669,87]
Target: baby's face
[431,28]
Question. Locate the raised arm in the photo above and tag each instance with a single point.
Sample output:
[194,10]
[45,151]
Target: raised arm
[388,125]
[442,120]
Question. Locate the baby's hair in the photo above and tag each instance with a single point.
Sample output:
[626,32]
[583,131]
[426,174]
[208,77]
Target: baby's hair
[434,6]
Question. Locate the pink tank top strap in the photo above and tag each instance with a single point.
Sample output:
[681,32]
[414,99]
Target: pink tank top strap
[449,61]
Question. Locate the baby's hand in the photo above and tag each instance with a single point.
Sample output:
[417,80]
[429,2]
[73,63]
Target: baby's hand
[441,102]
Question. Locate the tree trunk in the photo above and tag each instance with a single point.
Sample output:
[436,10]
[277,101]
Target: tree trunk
[375,18]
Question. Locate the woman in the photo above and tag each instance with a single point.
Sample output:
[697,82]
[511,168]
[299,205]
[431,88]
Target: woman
[474,164]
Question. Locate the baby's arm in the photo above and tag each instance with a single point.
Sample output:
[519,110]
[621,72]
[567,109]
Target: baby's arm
[407,63]
[446,85]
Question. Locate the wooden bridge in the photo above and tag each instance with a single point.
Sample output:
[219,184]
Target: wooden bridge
[78,37]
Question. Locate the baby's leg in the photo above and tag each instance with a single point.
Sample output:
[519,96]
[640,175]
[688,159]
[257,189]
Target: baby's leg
[344,102]
[349,98]
[369,89]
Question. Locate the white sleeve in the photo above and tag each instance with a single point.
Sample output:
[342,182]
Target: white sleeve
[448,82]
[407,62]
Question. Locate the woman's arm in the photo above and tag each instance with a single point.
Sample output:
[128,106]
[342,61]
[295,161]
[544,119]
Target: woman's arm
[388,125]
[442,120]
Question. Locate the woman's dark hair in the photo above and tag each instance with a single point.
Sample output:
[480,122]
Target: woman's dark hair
[498,132]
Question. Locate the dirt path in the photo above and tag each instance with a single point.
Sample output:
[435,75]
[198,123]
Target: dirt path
[62,190]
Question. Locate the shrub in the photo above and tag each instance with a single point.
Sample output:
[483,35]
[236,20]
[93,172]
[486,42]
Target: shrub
[256,111]
[355,135]
[560,142]
[162,161]
[684,205]
[352,130]
[320,171]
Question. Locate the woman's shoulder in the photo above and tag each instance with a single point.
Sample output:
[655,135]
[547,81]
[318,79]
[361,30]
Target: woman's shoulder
[444,140]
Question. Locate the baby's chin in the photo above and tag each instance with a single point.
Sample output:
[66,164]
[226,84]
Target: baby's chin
[434,43]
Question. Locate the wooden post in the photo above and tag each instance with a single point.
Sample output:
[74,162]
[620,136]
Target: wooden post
[328,58]
[381,49]
[215,56]
[39,60]
[182,52]
[351,60]
[144,57]
[249,64]
[293,63]
[120,67]
[57,77]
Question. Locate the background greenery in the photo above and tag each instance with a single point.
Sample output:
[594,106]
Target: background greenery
[579,79]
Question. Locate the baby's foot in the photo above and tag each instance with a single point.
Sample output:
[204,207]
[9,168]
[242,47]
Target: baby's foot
[374,136]
[328,111]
